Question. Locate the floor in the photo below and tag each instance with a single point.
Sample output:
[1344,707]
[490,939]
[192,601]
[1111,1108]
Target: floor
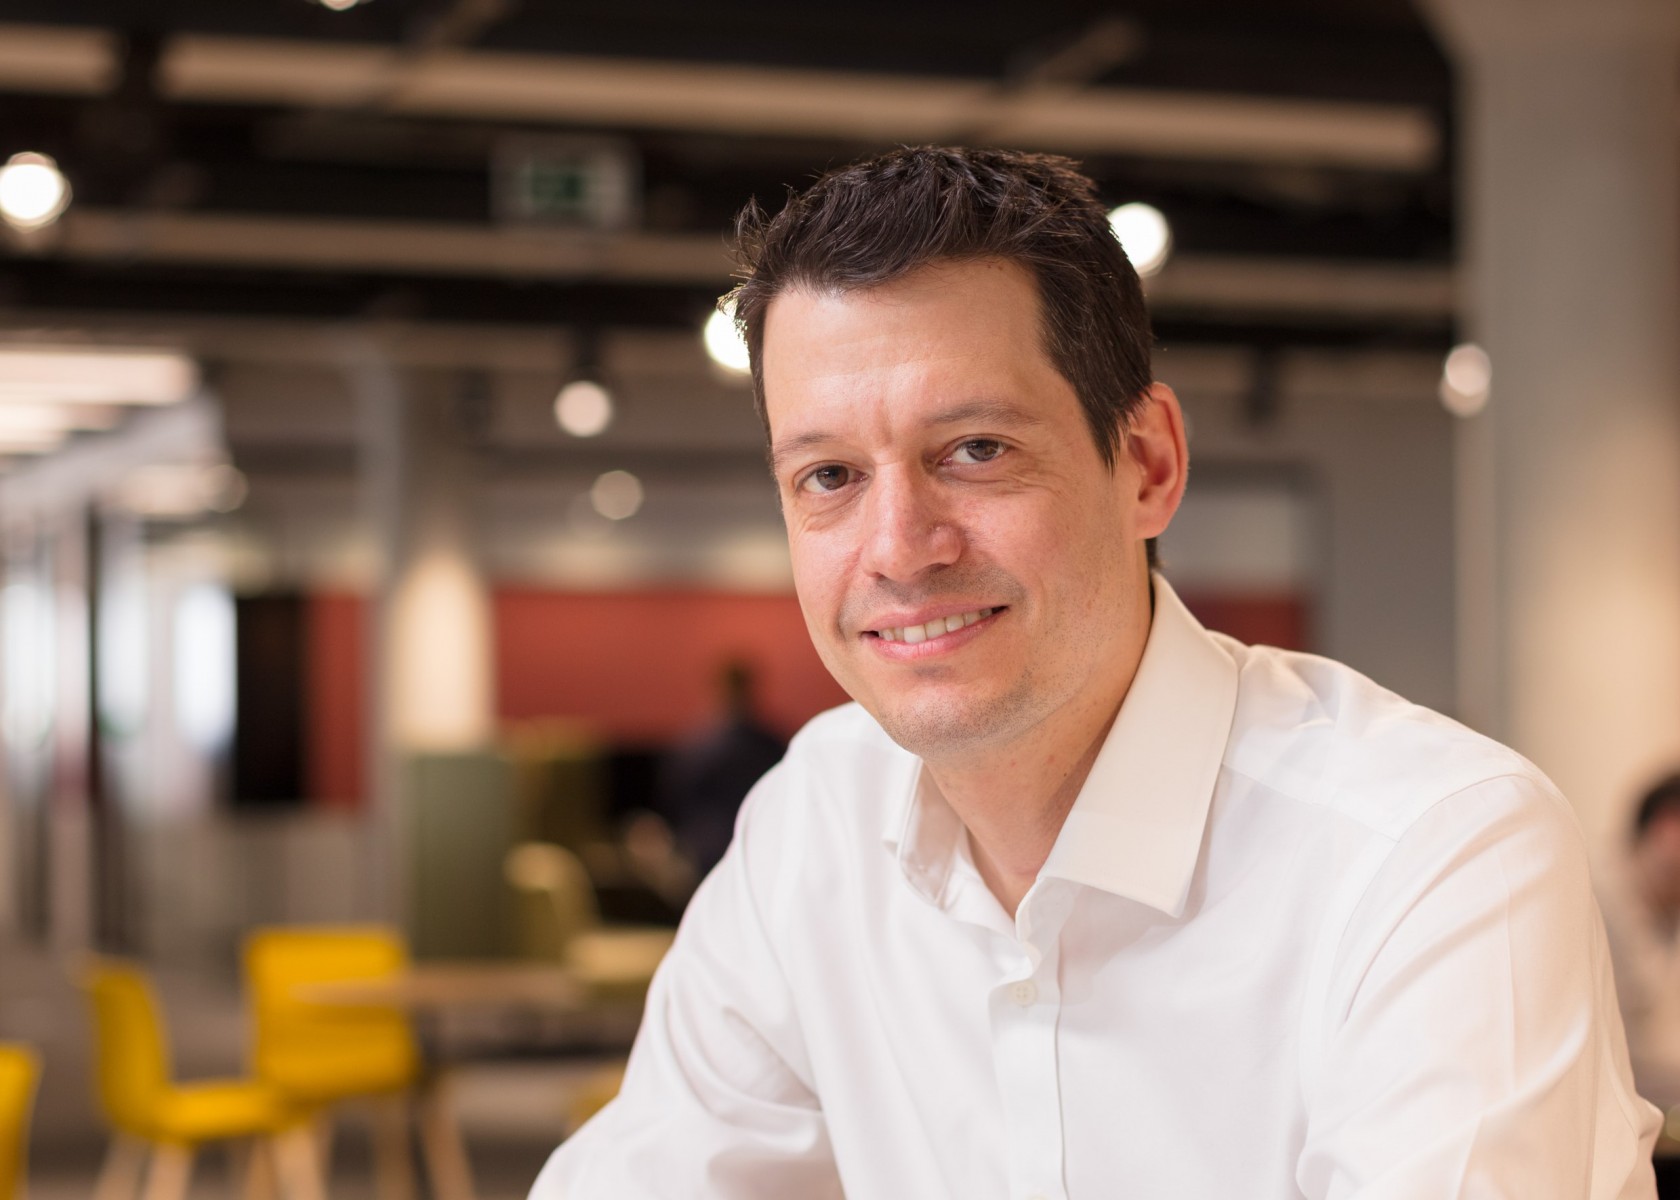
[508,1114]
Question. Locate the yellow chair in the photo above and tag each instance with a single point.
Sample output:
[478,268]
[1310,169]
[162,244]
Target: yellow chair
[323,1053]
[318,1052]
[560,922]
[147,1110]
[19,1071]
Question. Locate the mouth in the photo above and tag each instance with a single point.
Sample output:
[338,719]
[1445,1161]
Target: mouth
[939,627]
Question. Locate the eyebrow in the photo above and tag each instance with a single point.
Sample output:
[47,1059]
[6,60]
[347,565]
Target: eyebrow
[1000,413]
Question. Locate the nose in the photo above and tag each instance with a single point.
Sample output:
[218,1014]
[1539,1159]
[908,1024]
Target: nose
[908,527]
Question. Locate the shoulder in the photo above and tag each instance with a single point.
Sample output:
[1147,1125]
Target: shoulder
[847,726]
[845,751]
[805,832]
[841,773]
[1321,733]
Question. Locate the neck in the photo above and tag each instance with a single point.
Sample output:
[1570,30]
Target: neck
[1013,802]
[1014,797]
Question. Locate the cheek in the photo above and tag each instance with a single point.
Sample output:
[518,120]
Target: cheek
[1049,537]
[1075,553]
[817,580]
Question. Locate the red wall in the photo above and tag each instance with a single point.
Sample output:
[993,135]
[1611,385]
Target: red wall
[637,667]
[335,749]
[1259,618]
[640,667]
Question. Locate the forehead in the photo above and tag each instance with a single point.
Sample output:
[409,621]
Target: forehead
[935,335]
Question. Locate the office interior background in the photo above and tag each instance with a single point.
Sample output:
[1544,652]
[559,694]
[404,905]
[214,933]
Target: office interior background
[378,489]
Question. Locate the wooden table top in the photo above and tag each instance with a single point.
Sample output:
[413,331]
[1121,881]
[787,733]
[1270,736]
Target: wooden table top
[455,985]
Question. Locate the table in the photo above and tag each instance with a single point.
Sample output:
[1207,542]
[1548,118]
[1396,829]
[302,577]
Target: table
[431,991]
[457,985]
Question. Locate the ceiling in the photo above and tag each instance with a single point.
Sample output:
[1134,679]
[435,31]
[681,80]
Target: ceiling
[273,159]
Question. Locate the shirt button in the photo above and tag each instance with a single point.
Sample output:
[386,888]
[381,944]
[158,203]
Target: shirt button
[1024,993]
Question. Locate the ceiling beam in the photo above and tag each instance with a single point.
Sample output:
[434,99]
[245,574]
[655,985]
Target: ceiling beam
[752,100]
[1323,288]
[1337,289]
[394,247]
[51,58]
[769,101]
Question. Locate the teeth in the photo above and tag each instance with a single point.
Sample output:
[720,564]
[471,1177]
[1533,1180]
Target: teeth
[912,635]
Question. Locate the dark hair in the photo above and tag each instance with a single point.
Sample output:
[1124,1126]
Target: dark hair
[876,221]
[1663,796]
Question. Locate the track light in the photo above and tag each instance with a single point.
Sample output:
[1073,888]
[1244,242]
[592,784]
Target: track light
[583,408]
[1144,235]
[33,191]
[724,342]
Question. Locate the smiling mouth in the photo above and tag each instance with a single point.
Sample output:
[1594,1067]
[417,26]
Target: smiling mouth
[936,628]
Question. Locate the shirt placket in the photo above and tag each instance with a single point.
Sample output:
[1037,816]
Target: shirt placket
[1025,1010]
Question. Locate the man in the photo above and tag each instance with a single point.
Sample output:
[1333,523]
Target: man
[1080,900]
[704,779]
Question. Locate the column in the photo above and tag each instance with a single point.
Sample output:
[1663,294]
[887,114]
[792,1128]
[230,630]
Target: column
[430,645]
[70,890]
[1569,481]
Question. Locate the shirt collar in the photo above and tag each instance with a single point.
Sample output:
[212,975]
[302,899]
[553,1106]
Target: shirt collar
[1136,827]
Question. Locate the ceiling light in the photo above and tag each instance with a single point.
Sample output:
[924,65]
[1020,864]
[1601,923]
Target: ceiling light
[724,342]
[36,418]
[33,191]
[1144,235]
[89,376]
[616,495]
[1466,380]
[340,5]
[72,417]
[23,441]
[166,490]
[583,408]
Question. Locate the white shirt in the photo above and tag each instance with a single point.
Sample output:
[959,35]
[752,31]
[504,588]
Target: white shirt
[1297,937]
[1645,952]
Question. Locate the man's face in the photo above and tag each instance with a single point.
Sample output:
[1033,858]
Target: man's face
[967,564]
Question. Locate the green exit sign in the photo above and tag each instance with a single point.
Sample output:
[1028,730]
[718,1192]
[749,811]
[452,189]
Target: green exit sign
[591,184]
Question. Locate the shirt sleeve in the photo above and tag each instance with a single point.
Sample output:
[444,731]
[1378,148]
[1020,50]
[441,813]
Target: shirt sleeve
[717,1098]
[1470,1044]
[1648,985]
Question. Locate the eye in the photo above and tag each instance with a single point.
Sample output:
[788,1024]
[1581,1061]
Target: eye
[829,478]
[976,451]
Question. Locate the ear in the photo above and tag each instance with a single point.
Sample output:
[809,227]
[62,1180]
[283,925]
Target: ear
[1154,443]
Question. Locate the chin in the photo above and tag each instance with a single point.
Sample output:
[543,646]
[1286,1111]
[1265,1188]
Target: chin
[937,727]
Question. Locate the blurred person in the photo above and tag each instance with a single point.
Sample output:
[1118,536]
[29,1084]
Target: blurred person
[1641,901]
[705,778]
[1078,898]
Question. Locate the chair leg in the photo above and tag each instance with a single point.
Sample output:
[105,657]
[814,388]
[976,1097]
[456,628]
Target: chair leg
[323,1129]
[440,1140]
[393,1169]
[119,1179]
[299,1164]
[170,1173]
[259,1170]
